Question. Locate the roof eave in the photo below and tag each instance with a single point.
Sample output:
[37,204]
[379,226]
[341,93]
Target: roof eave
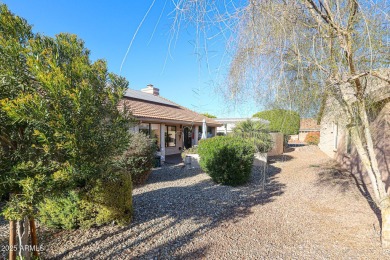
[172,121]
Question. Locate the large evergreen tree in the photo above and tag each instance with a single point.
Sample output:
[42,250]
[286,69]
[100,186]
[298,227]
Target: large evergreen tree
[302,51]
[59,122]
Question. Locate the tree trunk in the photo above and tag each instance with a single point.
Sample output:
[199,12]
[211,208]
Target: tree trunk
[384,203]
[366,162]
[370,162]
[23,228]
[385,212]
[34,237]
[12,240]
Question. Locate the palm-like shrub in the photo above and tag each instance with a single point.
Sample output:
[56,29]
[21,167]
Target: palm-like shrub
[256,133]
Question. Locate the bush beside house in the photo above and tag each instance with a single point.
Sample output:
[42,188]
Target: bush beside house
[139,158]
[107,200]
[313,138]
[227,159]
[103,200]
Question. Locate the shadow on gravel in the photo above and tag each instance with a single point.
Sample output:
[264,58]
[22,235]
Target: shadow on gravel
[176,172]
[334,174]
[207,204]
[280,158]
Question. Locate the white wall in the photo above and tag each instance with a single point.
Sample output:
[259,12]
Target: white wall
[226,128]
[330,133]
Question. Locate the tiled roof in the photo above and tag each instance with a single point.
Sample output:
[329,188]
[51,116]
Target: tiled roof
[309,124]
[147,106]
[131,93]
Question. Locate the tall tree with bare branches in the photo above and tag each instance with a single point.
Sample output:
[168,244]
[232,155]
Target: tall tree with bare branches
[305,52]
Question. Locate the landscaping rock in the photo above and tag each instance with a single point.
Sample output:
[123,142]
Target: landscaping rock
[181,214]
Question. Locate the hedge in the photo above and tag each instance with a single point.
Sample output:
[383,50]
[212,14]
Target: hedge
[228,160]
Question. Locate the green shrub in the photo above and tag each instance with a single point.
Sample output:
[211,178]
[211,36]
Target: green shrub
[60,212]
[280,120]
[139,158]
[108,200]
[227,159]
[313,138]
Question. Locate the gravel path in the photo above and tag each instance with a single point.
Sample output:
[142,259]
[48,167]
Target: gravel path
[308,210]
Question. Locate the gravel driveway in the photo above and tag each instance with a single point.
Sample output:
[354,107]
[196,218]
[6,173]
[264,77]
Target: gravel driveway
[308,210]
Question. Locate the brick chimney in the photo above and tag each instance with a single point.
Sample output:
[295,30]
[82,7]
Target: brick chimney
[150,89]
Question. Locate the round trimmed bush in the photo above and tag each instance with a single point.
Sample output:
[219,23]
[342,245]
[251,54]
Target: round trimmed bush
[228,160]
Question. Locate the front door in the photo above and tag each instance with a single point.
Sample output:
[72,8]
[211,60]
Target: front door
[187,138]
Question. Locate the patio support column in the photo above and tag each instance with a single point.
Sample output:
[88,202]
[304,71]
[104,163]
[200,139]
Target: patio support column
[196,135]
[162,142]
[213,131]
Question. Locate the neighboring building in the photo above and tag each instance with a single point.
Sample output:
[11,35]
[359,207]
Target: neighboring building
[307,125]
[335,138]
[229,123]
[174,127]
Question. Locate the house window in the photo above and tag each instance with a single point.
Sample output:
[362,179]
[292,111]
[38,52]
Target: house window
[152,131]
[170,136]
[155,133]
[144,128]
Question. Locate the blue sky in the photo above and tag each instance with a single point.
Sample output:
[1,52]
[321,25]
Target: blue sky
[179,69]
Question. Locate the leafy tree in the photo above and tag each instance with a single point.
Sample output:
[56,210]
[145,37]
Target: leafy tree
[284,121]
[208,115]
[59,122]
[303,51]
[256,132]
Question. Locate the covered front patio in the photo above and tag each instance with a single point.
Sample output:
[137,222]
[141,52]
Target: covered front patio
[173,127]
[172,137]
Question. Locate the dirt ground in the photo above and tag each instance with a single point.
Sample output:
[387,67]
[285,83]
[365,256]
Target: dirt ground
[321,212]
[308,210]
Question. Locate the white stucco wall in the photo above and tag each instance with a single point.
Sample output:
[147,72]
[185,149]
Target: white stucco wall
[226,128]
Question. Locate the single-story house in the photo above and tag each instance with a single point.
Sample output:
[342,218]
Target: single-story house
[335,139]
[229,123]
[174,127]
